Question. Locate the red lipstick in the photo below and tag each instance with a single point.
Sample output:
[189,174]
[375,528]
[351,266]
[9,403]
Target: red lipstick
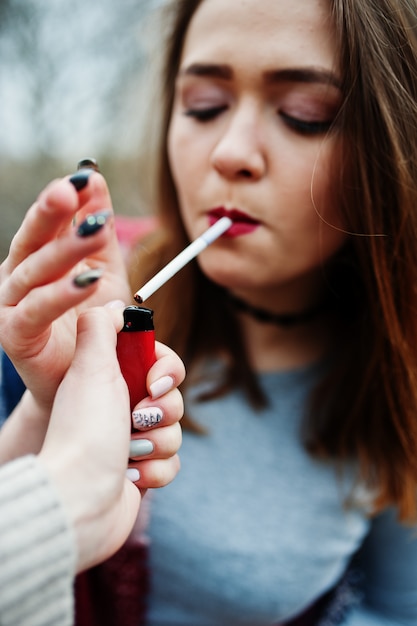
[243,224]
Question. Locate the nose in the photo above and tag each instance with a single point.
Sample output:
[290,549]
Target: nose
[240,152]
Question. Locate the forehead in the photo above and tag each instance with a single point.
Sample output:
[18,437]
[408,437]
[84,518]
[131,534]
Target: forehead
[266,32]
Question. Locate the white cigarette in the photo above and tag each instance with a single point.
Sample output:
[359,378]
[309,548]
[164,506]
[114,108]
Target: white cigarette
[184,257]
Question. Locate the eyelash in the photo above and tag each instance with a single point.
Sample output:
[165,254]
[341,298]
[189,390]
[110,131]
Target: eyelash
[306,128]
[302,127]
[205,115]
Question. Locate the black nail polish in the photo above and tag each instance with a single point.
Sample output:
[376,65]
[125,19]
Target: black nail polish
[88,163]
[80,179]
[93,223]
[87,278]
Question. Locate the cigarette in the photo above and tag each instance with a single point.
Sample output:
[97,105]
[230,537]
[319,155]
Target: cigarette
[184,257]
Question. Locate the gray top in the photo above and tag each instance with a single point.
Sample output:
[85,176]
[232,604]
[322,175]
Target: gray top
[253,529]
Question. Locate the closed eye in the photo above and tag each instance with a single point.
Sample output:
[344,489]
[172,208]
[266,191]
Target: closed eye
[207,114]
[305,127]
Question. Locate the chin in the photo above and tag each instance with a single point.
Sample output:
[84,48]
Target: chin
[227,277]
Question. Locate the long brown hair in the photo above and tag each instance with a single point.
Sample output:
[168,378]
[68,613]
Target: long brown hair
[366,408]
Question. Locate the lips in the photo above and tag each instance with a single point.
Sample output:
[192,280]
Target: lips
[243,224]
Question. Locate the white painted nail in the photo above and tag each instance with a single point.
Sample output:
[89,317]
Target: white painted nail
[133,474]
[161,386]
[147,417]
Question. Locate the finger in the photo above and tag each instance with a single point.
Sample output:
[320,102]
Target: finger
[96,342]
[51,262]
[46,218]
[94,367]
[54,211]
[154,474]
[30,325]
[167,372]
[161,443]
[92,197]
[168,410]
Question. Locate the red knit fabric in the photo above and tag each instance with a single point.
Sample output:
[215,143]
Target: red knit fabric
[115,592]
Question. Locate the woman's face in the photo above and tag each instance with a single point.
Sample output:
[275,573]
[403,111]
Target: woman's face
[257,89]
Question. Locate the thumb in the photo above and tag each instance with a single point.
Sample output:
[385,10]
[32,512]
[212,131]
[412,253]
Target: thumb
[96,342]
[92,402]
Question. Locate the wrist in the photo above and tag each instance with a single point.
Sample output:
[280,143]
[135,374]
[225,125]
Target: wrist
[35,408]
[24,430]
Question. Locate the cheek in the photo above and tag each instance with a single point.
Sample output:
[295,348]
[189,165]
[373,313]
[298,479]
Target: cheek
[326,185]
[325,198]
[314,224]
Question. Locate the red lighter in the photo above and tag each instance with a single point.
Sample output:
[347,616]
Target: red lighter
[136,350]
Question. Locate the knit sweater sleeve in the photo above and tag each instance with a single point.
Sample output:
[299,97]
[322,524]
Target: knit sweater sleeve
[37,549]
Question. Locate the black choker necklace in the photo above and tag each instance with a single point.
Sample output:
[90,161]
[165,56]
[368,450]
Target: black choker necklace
[279,319]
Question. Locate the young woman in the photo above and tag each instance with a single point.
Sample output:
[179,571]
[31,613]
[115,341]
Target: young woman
[298,327]
[296,503]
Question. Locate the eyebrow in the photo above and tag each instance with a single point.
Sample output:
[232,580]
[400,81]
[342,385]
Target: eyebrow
[209,70]
[294,75]
[304,75]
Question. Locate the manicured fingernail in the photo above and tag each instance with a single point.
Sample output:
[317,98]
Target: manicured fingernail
[133,474]
[161,386]
[93,223]
[88,163]
[147,417]
[80,179]
[140,447]
[88,278]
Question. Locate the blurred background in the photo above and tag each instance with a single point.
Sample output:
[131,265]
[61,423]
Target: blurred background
[74,82]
